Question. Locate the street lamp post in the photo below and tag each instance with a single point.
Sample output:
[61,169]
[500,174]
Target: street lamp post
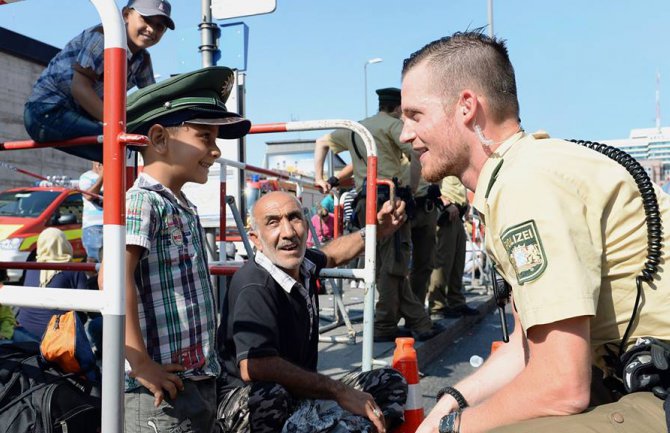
[365,80]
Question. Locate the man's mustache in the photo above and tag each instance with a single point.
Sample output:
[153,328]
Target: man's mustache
[288,242]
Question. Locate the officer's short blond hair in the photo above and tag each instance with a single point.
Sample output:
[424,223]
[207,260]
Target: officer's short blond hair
[472,60]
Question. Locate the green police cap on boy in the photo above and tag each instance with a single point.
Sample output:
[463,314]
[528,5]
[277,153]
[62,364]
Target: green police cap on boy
[194,97]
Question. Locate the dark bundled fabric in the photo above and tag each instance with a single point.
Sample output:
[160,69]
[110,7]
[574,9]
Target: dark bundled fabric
[268,407]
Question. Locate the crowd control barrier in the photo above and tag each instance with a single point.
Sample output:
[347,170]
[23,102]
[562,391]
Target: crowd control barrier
[111,301]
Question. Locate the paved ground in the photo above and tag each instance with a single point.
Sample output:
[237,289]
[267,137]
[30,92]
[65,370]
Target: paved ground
[336,359]
[454,361]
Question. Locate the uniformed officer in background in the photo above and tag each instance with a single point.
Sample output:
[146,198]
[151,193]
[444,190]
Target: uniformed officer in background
[566,228]
[424,224]
[396,299]
[446,297]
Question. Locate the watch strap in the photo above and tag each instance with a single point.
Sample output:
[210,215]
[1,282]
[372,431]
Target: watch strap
[333,181]
[456,394]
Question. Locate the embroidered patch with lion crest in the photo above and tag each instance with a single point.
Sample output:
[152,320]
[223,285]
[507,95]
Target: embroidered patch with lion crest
[525,251]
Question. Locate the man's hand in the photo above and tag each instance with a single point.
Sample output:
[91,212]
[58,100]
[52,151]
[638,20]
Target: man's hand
[97,168]
[362,403]
[325,186]
[158,378]
[390,218]
[452,210]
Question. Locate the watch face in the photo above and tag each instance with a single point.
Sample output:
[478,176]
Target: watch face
[447,423]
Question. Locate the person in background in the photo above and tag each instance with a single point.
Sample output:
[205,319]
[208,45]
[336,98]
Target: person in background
[328,203]
[7,323]
[91,220]
[52,247]
[66,101]
[446,297]
[396,299]
[324,225]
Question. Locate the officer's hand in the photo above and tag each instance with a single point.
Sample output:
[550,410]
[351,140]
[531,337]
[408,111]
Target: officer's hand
[323,185]
[431,423]
[390,218]
[362,403]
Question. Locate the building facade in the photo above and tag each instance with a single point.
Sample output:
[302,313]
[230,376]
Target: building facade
[650,147]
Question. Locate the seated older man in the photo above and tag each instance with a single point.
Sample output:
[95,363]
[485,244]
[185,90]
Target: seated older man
[268,339]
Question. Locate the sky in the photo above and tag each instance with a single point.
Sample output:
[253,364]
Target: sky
[584,69]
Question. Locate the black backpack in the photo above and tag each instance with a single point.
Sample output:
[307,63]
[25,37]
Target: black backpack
[35,397]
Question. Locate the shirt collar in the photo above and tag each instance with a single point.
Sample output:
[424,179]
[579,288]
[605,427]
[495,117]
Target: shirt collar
[286,281]
[130,57]
[146,181]
[490,170]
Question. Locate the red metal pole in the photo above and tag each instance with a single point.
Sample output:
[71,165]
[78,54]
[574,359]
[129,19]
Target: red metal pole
[268,127]
[114,158]
[30,144]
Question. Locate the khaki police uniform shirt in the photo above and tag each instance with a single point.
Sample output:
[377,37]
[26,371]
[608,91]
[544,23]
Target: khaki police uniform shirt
[385,130]
[566,228]
[453,190]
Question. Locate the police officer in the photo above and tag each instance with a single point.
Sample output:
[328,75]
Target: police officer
[445,293]
[424,224]
[396,299]
[565,228]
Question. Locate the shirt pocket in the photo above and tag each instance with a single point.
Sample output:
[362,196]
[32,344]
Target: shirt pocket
[173,248]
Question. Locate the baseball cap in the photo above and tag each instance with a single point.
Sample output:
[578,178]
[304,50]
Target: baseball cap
[152,8]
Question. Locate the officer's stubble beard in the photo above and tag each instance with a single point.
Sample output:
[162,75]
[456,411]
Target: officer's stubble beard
[447,160]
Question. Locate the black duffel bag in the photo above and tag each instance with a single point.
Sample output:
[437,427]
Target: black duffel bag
[36,397]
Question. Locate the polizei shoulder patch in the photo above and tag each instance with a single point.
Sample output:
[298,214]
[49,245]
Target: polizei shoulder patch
[525,251]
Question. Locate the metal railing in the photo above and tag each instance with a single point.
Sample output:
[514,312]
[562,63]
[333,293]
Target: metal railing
[111,301]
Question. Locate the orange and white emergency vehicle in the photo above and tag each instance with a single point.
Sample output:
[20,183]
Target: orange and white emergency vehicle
[26,211]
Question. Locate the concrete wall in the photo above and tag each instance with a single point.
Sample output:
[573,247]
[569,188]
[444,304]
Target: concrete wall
[17,77]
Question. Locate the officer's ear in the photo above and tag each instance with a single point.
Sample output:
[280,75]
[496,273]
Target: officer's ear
[467,105]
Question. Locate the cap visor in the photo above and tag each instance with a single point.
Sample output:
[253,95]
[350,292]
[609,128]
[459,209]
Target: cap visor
[232,126]
[155,13]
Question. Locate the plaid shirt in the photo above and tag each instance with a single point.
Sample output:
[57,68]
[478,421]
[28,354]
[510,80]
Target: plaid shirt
[87,50]
[176,302]
[287,282]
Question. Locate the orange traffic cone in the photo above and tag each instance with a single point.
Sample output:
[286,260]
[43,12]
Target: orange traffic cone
[404,360]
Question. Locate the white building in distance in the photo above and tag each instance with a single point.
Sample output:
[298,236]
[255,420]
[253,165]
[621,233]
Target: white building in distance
[651,148]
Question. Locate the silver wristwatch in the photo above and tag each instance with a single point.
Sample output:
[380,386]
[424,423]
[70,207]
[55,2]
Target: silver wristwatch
[450,423]
[362,233]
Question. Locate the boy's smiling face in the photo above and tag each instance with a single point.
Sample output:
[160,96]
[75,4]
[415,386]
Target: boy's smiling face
[143,32]
[192,150]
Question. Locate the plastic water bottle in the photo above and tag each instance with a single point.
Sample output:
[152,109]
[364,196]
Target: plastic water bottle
[476,361]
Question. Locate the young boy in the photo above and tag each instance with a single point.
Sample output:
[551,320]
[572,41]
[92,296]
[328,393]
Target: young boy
[170,314]
[67,98]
